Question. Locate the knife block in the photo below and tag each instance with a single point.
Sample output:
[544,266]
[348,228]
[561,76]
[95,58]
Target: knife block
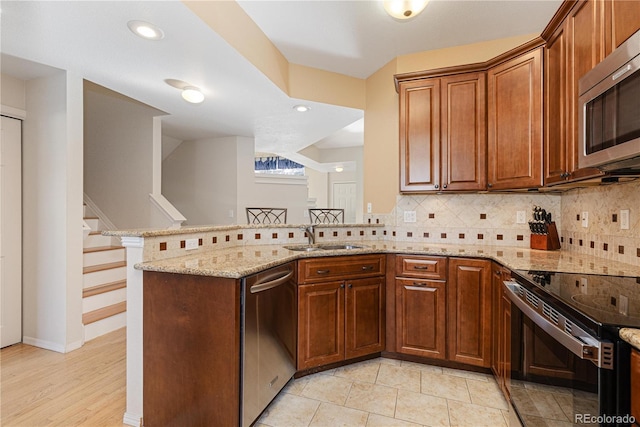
[546,242]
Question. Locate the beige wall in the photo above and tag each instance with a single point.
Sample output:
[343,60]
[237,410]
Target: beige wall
[12,92]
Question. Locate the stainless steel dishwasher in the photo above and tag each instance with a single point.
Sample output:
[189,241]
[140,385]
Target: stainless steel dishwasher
[269,336]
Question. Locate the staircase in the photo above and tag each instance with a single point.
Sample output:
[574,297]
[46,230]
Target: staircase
[104,292]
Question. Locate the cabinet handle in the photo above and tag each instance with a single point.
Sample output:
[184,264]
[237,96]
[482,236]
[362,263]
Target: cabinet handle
[489,185]
[350,286]
[367,267]
[420,267]
[444,186]
[323,271]
[421,287]
[497,272]
[342,286]
[436,186]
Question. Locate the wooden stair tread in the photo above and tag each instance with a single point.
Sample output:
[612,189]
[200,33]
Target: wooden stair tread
[101,267]
[103,313]
[93,233]
[102,249]
[90,217]
[103,288]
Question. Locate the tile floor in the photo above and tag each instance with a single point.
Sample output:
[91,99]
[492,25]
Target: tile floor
[389,393]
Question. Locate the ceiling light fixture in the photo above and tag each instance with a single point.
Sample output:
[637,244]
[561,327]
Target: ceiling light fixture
[145,30]
[301,108]
[192,94]
[339,168]
[404,9]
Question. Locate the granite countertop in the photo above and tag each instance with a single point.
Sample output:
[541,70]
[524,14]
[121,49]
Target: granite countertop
[241,261]
[632,336]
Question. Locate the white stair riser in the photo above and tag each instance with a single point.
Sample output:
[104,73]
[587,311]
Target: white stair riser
[105,276]
[94,223]
[96,302]
[104,326]
[103,257]
[96,240]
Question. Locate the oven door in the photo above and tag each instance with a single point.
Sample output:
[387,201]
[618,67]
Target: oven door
[555,377]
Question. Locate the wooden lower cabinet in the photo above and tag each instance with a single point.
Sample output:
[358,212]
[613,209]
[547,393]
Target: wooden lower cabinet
[421,317]
[635,385]
[469,311]
[340,320]
[191,349]
[501,321]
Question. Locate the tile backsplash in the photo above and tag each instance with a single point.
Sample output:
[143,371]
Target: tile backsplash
[490,219]
[603,236]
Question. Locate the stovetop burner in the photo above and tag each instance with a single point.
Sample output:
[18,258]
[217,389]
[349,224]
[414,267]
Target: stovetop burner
[605,300]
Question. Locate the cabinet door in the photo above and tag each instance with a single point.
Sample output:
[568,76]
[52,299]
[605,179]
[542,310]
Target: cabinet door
[635,384]
[320,324]
[557,148]
[586,49]
[469,311]
[420,135]
[514,91]
[504,346]
[623,17]
[463,132]
[421,317]
[365,317]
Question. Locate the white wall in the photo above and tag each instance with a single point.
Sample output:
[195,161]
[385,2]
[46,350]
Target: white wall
[118,158]
[52,213]
[207,179]
[318,187]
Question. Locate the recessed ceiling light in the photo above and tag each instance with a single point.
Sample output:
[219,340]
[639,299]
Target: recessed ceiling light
[301,108]
[145,30]
[192,94]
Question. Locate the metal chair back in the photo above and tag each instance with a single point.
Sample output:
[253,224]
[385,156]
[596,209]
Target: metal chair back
[326,216]
[266,215]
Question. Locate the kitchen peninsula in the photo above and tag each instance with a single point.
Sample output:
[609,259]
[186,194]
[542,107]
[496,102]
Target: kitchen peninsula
[228,253]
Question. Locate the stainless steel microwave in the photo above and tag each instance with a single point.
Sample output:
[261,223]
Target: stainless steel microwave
[609,111]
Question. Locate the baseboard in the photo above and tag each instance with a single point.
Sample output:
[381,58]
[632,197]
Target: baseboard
[132,419]
[48,345]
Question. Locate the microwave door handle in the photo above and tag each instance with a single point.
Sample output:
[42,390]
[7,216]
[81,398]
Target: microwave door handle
[579,348]
[621,72]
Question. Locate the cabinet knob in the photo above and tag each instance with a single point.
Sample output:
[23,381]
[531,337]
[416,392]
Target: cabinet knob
[489,185]
[350,286]
[444,186]
[436,186]
[342,286]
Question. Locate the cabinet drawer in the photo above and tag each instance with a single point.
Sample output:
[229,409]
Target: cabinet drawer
[421,266]
[332,268]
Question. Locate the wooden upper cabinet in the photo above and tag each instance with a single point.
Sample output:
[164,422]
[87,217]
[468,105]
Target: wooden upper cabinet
[557,109]
[622,19]
[442,133]
[463,126]
[419,135]
[514,98]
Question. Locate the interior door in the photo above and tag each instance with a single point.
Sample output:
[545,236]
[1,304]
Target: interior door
[10,232]
[344,197]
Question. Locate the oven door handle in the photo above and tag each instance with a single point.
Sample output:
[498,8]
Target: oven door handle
[583,345]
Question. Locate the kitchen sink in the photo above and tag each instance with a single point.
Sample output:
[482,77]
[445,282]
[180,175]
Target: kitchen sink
[327,247]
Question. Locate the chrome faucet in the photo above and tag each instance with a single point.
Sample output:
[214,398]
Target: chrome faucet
[310,233]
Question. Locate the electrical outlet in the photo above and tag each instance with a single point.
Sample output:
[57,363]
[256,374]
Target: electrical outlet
[521,217]
[585,219]
[369,208]
[583,285]
[624,219]
[409,216]
[623,307]
[191,244]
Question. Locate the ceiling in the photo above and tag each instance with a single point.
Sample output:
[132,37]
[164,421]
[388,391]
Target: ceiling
[91,39]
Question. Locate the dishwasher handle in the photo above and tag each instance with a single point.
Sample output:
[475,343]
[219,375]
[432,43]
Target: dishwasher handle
[272,281]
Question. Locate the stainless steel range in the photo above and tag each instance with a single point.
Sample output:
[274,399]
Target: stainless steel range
[568,364]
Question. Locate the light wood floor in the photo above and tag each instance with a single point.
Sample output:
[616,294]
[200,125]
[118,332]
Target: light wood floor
[85,387]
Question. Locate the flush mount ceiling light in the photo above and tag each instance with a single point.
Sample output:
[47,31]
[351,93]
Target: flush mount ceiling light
[404,9]
[339,168]
[192,94]
[145,30]
[301,108]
